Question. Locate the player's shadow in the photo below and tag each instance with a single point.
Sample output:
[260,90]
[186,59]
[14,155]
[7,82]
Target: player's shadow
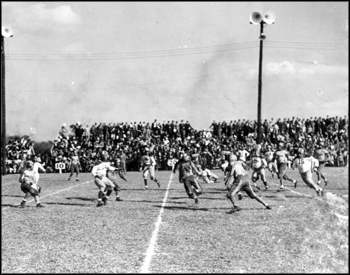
[247,209]
[13,196]
[11,205]
[190,208]
[80,198]
[143,201]
[68,204]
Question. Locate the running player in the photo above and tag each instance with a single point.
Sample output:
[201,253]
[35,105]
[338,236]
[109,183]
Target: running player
[306,166]
[322,155]
[271,165]
[75,165]
[258,164]
[147,167]
[238,180]
[29,185]
[282,158]
[187,173]
[104,184]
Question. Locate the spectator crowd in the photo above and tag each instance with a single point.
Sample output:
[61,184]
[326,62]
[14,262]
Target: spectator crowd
[126,141]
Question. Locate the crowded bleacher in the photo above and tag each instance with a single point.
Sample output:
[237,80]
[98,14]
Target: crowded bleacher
[126,140]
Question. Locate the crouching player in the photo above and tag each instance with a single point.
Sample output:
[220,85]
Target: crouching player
[306,166]
[104,184]
[29,185]
[187,173]
[207,175]
[238,180]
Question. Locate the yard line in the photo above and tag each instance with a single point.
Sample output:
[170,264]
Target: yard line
[53,193]
[152,243]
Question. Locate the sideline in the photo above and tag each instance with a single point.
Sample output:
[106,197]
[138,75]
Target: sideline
[153,241]
[54,193]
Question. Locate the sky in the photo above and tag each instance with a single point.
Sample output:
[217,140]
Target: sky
[198,61]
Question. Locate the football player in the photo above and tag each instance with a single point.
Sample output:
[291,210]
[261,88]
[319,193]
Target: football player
[148,164]
[258,164]
[29,185]
[322,155]
[37,165]
[282,157]
[187,173]
[75,165]
[104,184]
[306,166]
[271,165]
[237,180]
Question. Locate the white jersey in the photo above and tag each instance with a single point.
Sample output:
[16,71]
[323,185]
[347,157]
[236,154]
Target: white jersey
[258,163]
[37,166]
[306,164]
[242,154]
[101,169]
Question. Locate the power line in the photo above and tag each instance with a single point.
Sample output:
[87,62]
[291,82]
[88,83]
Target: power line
[127,55]
[132,86]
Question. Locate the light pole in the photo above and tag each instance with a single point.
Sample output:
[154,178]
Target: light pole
[5,32]
[258,18]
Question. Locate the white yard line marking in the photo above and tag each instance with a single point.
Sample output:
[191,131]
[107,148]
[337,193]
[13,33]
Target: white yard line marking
[152,243]
[53,193]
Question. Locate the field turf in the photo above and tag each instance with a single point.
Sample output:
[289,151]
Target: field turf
[161,230]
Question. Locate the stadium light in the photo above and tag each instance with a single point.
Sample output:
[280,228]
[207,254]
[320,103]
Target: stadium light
[257,18]
[5,32]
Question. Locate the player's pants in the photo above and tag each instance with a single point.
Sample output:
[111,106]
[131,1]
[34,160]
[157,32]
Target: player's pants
[116,186]
[244,187]
[307,178]
[149,171]
[104,184]
[74,168]
[258,173]
[282,168]
[36,177]
[192,186]
[272,167]
[29,188]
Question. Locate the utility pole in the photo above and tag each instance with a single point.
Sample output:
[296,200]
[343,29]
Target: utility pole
[258,18]
[5,32]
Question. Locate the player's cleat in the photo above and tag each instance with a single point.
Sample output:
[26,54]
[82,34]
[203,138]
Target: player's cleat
[282,186]
[268,207]
[39,190]
[23,204]
[100,203]
[295,183]
[196,200]
[158,183]
[77,179]
[146,187]
[318,183]
[118,199]
[235,209]
[240,197]
[69,178]
[40,205]
[325,182]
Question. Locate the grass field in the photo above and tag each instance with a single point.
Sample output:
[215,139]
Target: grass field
[161,230]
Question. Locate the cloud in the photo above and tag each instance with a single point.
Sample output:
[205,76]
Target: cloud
[40,17]
[284,67]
